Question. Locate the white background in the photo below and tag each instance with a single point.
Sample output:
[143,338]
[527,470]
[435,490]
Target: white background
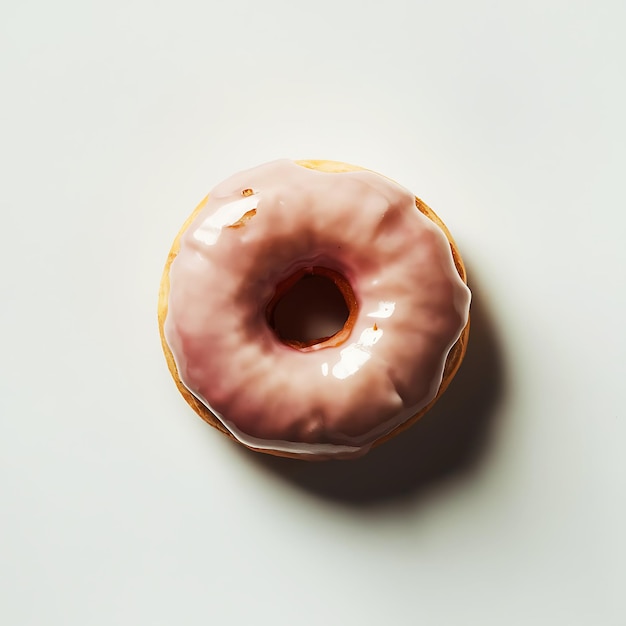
[506,505]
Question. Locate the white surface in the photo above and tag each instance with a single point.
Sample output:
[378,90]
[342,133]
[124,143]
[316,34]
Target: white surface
[507,505]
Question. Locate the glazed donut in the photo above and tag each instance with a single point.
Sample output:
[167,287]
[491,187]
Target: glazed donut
[256,236]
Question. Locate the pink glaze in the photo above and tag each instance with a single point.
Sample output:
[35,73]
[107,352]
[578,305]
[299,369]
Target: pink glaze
[335,401]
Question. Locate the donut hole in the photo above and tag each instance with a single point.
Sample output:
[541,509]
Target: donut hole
[312,309]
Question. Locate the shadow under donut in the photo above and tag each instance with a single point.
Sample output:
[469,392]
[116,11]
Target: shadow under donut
[448,441]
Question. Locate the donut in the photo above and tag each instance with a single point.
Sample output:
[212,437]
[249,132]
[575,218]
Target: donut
[260,236]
